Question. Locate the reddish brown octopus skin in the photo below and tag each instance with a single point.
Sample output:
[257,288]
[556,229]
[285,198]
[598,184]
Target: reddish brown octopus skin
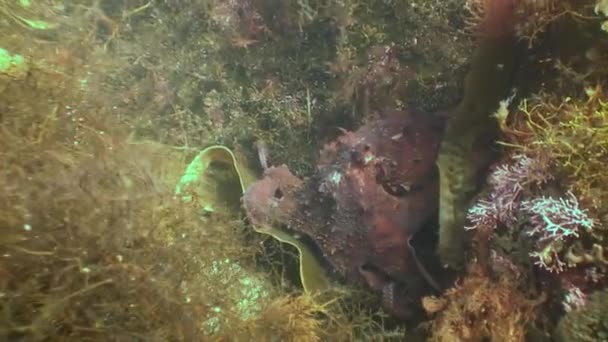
[374,189]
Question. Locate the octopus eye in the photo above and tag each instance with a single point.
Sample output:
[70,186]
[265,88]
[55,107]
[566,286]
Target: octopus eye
[278,194]
[355,157]
[397,190]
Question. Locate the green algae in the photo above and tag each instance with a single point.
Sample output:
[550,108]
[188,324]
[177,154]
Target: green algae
[312,274]
[12,65]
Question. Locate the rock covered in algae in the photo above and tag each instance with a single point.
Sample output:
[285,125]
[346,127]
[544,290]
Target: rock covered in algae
[588,324]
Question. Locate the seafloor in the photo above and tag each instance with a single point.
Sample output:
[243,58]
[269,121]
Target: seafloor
[303,170]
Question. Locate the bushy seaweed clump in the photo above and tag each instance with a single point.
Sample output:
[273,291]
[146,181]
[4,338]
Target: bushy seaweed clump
[481,308]
[575,134]
[94,243]
[76,208]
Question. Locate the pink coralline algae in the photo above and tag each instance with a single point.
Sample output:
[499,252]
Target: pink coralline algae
[524,214]
[553,223]
[508,182]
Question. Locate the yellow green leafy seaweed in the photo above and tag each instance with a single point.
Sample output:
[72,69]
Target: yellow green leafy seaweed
[312,274]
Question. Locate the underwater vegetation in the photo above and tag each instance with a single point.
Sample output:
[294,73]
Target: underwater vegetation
[481,307]
[539,219]
[303,170]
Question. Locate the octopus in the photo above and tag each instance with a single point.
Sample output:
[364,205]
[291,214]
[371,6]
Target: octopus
[373,190]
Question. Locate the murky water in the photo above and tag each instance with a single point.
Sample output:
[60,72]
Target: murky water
[329,170]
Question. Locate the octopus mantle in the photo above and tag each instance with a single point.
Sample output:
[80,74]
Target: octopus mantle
[374,189]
